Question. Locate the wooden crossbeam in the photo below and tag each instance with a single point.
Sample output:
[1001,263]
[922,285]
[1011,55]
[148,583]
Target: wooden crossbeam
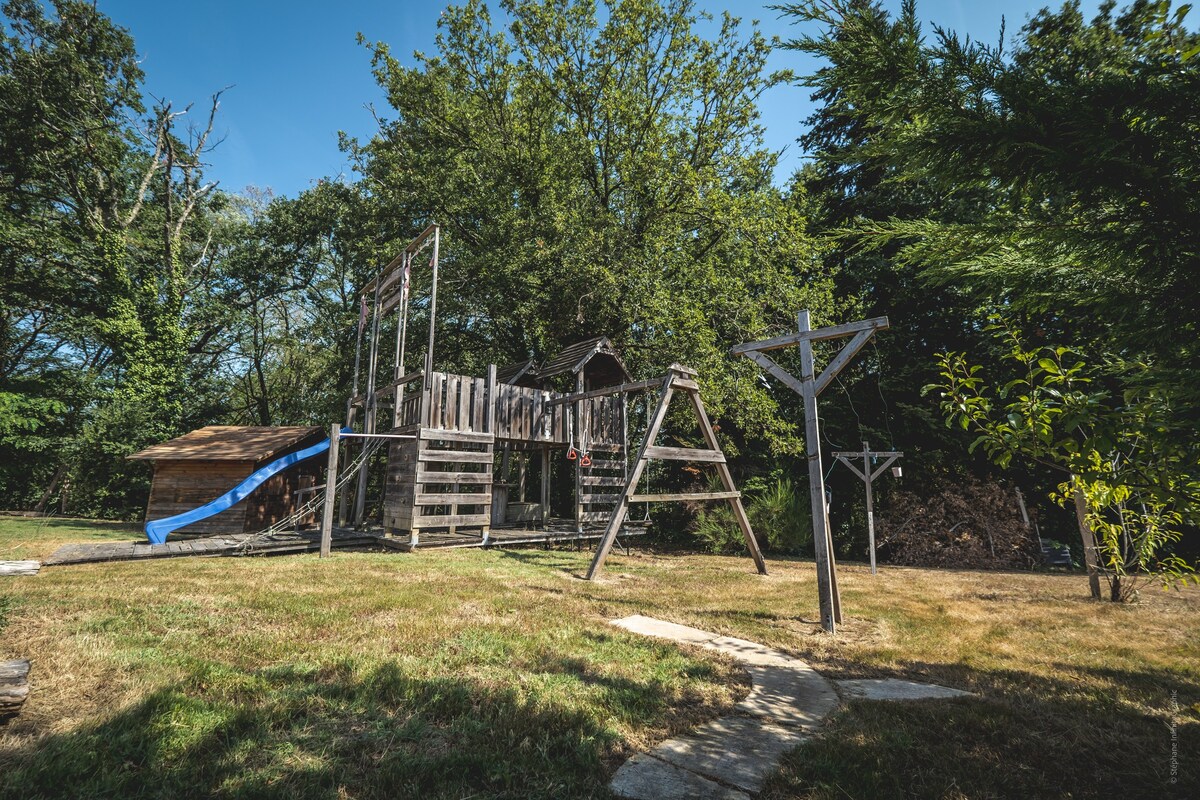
[820,334]
[682,496]
[685,454]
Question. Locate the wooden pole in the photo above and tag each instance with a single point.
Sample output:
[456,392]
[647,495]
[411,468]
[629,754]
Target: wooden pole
[331,477]
[816,477]
[437,238]
[870,504]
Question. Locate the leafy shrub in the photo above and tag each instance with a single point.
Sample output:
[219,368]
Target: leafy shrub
[778,514]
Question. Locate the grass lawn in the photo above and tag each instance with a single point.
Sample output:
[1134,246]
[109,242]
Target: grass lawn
[494,674]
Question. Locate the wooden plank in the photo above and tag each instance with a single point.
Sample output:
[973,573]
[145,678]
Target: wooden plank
[456,456]
[450,498]
[19,567]
[435,398]
[831,332]
[454,477]
[446,520]
[735,503]
[437,434]
[602,480]
[776,371]
[600,498]
[623,388]
[682,496]
[849,351]
[685,383]
[464,404]
[608,463]
[685,454]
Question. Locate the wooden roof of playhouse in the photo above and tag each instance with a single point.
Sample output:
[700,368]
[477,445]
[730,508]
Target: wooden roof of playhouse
[572,359]
[229,443]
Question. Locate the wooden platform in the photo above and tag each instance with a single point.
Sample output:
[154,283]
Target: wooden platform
[250,544]
[239,544]
[556,532]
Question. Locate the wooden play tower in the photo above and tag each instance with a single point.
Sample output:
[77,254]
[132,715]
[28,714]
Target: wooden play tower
[461,450]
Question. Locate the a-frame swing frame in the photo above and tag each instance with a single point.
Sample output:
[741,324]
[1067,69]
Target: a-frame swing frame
[679,379]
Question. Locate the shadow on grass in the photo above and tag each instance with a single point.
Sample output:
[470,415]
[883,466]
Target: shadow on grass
[1107,734]
[301,733]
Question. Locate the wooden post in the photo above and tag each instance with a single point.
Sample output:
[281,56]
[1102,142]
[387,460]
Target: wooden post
[870,506]
[545,499]
[816,476]
[1088,536]
[437,238]
[331,478]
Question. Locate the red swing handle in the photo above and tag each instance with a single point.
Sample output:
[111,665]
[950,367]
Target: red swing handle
[572,455]
[586,461]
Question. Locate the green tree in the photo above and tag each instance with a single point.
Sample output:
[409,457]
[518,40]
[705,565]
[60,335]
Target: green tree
[597,173]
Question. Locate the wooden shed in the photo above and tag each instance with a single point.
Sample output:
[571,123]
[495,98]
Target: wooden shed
[204,464]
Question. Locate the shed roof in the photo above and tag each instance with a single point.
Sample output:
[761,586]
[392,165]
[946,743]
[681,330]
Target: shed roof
[576,356]
[228,443]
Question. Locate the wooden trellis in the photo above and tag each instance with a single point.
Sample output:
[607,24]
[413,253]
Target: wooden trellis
[678,379]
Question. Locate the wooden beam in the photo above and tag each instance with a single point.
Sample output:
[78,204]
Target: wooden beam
[606,391]
[776,371]
[682,496]
[832,332]
[685,454]
[622,509]
[735,503]
[816,478]
[843,357]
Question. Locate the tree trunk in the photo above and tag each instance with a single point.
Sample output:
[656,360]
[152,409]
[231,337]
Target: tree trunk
[1088,536]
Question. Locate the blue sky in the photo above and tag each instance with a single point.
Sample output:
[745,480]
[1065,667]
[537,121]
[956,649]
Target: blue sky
[297,75]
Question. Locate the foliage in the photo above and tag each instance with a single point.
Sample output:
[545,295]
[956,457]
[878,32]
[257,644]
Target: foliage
[779,516]
[598,172]
[1138,475]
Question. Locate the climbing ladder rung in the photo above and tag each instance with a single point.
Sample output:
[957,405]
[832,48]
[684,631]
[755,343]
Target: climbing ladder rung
[685,454]
[607,463]
[601,480]
[600,498]
[662,498]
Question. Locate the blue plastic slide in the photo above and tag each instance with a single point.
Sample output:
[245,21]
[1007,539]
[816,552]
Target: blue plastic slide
[157,530]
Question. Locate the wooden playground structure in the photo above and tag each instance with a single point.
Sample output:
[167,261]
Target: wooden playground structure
[452,442]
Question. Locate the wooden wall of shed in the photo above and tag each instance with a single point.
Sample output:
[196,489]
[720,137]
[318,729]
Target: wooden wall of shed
[180,486]
[276,498]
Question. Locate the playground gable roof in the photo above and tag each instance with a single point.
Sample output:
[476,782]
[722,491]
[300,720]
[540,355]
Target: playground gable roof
[228,443]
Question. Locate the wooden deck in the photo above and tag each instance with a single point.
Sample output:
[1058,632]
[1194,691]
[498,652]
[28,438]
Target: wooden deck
[251,544]
[239,544]
[556,532]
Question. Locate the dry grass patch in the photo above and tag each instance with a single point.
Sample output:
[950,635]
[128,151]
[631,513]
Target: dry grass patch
[495,674]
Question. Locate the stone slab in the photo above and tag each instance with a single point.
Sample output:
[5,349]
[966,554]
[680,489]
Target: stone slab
[796,695]
[644,777]
[751,652]
[741,751]
[896,689]
[19,567]
[649,626]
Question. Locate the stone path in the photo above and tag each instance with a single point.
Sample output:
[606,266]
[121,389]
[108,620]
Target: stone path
[19,567]
[730,757]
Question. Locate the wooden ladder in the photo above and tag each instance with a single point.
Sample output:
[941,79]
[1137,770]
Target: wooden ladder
[678,379]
